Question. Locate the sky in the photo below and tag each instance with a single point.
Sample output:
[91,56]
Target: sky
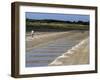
[54,16]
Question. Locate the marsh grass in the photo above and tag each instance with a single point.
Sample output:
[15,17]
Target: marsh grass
[45,26]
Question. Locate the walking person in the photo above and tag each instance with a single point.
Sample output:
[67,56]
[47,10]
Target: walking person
[32,33]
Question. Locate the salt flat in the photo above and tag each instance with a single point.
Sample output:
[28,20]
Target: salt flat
[47,51]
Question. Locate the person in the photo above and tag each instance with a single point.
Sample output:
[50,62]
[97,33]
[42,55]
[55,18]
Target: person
[32,33]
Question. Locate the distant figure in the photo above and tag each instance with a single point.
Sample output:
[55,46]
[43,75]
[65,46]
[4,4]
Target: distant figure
[32,33]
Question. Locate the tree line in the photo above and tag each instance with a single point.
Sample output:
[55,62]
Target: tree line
[58,21]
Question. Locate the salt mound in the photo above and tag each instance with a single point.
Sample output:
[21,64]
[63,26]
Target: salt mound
[79,54]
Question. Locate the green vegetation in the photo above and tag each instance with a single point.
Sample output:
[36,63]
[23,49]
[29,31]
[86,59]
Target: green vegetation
[55,25]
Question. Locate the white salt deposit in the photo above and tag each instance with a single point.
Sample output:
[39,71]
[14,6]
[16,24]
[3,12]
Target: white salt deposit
[77,55]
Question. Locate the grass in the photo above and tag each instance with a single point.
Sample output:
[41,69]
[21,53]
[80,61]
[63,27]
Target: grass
[54,26]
